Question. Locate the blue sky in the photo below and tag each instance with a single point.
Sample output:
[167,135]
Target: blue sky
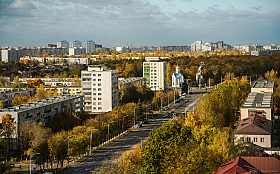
[139,22]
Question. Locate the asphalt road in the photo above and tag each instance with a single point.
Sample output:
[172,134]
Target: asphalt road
[112,152]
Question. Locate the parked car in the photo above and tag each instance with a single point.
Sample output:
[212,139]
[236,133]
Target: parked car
[146,121]
[166,108]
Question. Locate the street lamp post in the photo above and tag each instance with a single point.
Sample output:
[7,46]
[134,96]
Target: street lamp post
[109,129]
[68,148]
[91,140]
[30,160]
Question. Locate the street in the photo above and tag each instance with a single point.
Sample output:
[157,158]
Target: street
[112,152]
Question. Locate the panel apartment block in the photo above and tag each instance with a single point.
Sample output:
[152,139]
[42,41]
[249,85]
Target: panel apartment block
[100,88]
[43,110]
[155,73]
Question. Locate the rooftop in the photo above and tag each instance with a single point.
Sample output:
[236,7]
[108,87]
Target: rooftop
[263,84]
[254,125]
[132,79]
[258,100]
[40,103]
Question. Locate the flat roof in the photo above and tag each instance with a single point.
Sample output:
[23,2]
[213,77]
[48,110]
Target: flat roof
[258,100]
[263,84]
[132,79]
[40,103]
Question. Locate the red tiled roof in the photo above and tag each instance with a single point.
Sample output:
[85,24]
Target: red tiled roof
[244,165]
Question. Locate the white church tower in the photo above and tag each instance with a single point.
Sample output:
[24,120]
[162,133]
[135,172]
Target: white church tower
[177,78]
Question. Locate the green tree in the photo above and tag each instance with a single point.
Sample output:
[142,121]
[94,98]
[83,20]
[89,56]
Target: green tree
[7,131]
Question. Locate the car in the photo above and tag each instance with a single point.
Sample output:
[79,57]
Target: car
[166,108]
[165,115]
[177,101]
[146,121]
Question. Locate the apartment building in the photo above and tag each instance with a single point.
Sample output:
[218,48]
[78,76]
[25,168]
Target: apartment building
[43,110]
[8,96]
[77,51]
[63,43]
[100,88]
[196,46]
[54,60]
[75,43]
[260,104]
[154,71]
[259,101]
[90,46]
[60,90]
[55,81]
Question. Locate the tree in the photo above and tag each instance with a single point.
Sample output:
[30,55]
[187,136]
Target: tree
[7,131]
[17,82]
[169,74]
[140,115]
[3,81]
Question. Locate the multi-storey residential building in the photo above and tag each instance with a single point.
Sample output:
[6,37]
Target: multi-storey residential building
[55,81]
[60,90]
[43,110]
[77,51]
[263,86]
[220,44]
[155,73]
[63,43]
[260,104]
[75,43]
[8,96]
[196,46]
[90,46]
[69,60]
[264,52]
[9,55]
[207,47]
[100,88]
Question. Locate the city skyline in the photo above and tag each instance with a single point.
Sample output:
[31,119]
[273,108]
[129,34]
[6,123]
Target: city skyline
[27,23]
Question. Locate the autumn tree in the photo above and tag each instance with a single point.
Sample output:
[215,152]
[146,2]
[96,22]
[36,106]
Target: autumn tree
[7,131]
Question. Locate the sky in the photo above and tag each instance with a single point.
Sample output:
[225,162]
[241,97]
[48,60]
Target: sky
[28,23]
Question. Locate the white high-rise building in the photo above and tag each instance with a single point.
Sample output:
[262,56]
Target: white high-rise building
[75,43]
[177,78]
[100,88]
[196,46]
[63,43]
[155,73]
[90,46]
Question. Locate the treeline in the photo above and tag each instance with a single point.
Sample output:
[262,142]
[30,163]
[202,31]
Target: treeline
[198,144]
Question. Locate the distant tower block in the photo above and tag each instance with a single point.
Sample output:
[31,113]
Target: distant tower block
[199,75]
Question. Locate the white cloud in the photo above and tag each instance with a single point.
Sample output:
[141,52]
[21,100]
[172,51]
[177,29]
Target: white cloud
[22,4]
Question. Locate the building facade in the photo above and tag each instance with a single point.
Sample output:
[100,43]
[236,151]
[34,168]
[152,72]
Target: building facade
[63,43]
[8,96]
[100,88]
[196,46]
[90,46]
[155,73]
[75,43]
[77,51]
[43,110]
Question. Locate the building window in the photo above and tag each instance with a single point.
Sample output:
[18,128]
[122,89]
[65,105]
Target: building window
[99,74]
[99,98]
[93,84]
[99,89]
[94,108]
[93,93]
[242,139]
[99,93]
[93,74]
[262,140]
[94,103]
[99,108]
[255,140]
[99,84]
[94,98]
[99,103]
[248,139]
[99,80]
[94,80]
[94,89]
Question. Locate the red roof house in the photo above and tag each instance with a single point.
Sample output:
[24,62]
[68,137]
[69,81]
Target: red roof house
[250,165]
